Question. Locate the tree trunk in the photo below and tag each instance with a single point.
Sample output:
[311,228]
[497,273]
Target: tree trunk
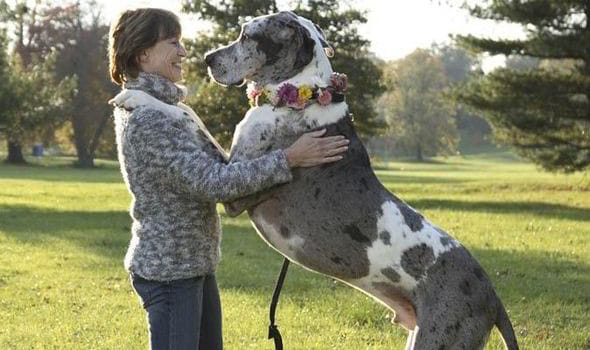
[85,159]
[82,144]
[15,153]
[419,156]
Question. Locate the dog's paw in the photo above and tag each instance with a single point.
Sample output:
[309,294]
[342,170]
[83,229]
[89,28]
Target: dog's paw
[131,99]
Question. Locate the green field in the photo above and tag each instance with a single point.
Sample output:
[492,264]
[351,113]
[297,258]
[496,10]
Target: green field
[64,232]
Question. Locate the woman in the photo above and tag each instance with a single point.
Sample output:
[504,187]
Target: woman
[176,174]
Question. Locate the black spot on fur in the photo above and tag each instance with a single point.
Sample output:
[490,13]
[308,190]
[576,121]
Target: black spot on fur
[385,237]
[284,231]
[356,234]
[445,240]
[478,272]
[317,192]
[364,183]
[416,260]
[465,287]
[391,274]
[336,260]
[270,48]
[412,218]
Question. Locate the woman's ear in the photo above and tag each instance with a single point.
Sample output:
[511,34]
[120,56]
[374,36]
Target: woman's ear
[143,56]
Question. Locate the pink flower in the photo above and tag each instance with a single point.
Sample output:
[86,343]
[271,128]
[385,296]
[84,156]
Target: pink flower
[253,91]
[324,97]
[288,94]
[339,81]
[299,104]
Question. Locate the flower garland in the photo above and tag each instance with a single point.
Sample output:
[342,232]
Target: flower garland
[288,95]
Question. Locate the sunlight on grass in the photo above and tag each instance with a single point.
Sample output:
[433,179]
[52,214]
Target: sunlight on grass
[64,232]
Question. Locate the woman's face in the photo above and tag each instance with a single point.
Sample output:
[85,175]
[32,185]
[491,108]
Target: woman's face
[164,58]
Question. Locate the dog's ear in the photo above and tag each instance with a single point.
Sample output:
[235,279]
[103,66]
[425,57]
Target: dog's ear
[327,47]
[290,14]
[306,47]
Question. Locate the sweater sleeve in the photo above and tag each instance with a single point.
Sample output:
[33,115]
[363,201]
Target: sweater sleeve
[170,144]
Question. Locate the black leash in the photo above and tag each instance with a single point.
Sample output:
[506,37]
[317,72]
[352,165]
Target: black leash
[273,330]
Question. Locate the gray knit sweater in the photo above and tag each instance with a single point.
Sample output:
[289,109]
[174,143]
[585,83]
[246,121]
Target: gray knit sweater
[176,176]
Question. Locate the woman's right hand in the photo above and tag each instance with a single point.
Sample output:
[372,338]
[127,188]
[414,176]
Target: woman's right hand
[312,149]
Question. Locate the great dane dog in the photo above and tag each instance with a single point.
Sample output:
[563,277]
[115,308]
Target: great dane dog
[338,219]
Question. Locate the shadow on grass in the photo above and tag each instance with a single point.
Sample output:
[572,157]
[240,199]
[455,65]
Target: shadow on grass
[106,233]
[250,266]
[395,179]
[536,275]
[554,211]
[60,173]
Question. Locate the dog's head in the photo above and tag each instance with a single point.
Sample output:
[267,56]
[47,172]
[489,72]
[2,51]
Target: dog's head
[270,49]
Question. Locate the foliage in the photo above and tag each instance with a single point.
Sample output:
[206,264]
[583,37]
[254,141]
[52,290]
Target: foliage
[460,65]
[39,99]
[222,108]
[6,91]
[84,56]
[419,115]
[543,112]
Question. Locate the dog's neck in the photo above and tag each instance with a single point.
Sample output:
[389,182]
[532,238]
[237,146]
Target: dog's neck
[316,73]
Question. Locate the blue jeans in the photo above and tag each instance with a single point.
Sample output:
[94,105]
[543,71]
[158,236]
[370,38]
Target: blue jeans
[182,314]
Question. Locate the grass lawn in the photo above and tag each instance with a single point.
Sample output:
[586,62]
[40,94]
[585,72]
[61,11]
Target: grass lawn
[64,232]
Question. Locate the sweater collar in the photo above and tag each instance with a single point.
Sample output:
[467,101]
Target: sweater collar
[156,85]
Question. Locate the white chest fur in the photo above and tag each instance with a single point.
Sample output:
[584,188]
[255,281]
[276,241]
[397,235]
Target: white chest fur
[267,119]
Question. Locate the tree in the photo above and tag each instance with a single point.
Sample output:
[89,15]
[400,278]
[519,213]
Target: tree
[543,112]
[84,56]
[36,92]
[37,101]
[7,96]
[222,108]
[419,115]
[460,66]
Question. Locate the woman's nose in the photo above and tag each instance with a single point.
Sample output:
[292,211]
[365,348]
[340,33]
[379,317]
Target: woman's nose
[182,51]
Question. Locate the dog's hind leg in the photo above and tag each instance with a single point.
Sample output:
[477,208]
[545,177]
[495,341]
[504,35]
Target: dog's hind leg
[452,333]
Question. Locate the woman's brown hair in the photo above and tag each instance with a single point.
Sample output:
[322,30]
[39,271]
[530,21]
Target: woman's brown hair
[132,33]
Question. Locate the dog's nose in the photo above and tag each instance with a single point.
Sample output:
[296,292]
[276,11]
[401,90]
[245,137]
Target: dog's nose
[209,58]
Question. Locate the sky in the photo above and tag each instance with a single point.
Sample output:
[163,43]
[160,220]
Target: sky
[394,27]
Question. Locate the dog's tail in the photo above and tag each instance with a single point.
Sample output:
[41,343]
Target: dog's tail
[505,327]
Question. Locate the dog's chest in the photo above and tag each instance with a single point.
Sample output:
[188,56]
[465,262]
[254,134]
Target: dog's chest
[266,128]
[339,219]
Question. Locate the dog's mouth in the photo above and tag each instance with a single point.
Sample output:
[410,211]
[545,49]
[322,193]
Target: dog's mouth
[238,83]
[221,81]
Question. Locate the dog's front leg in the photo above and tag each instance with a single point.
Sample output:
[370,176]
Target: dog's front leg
[247,144]
[238,206]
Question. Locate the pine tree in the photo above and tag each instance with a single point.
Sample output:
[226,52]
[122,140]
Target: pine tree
[544,113]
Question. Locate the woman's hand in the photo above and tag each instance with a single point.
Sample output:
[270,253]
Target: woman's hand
[312,149]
